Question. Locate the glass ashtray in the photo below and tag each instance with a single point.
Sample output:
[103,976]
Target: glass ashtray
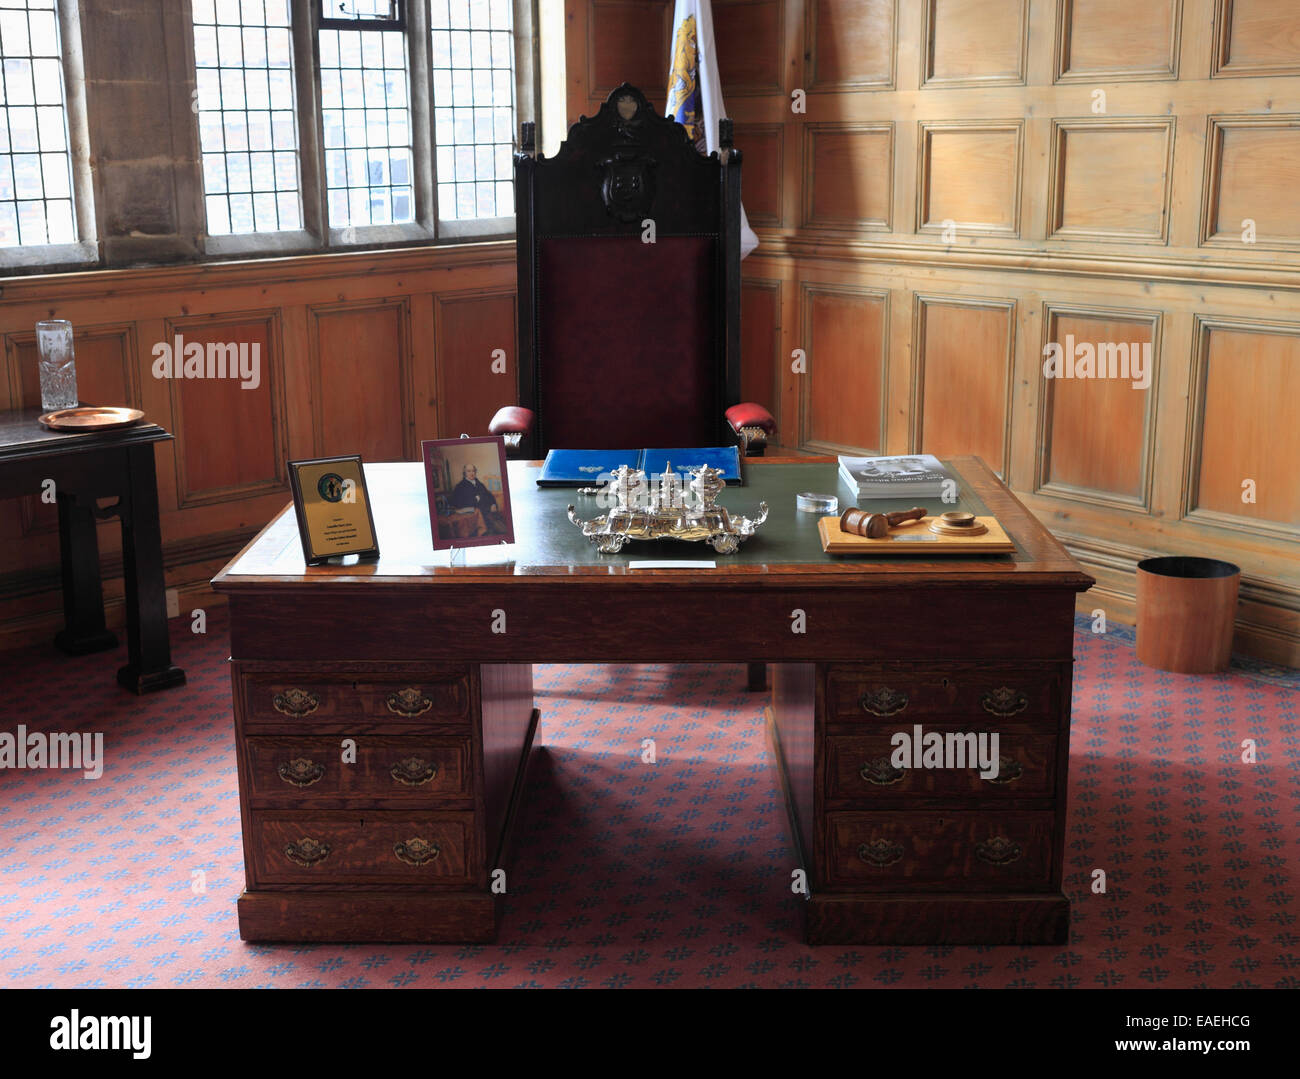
[811,502]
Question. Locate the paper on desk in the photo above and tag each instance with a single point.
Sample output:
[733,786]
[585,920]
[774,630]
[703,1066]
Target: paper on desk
[671,565]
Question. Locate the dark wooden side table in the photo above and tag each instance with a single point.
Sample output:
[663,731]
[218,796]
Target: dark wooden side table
[86,467]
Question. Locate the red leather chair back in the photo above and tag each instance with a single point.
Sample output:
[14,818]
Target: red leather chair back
[625,343]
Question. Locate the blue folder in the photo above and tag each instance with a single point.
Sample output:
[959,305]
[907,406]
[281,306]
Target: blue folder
[726,459]
[582,468]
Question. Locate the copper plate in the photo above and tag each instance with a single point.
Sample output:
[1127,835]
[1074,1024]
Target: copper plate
[91,419]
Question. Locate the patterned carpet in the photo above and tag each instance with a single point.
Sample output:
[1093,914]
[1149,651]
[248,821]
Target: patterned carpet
[636,875]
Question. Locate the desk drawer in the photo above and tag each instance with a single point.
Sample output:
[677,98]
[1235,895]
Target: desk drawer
[298,770]
[389,848]
[860,766]
[437,696]
[904,693]
[977,851]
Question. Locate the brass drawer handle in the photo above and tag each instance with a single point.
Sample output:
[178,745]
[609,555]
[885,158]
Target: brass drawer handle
[409,702]
[416,851]
[413,772]
[296,702]
[307,852]
[997,851]
[879,772]
[881,852]
[300,772]
[1009,770]
[883,701]
[1004,701]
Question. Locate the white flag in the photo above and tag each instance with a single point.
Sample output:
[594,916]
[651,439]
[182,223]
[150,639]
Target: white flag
[694,93]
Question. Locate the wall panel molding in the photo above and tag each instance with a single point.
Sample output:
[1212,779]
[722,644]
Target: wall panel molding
[761,363]
[1142,440]
[1260,417]
[1090,34]
[843,164]
[763,146]
[190,442]
[494,328]
[1147,266]
[991,392]
[1094,199]
[363,386]
[969,172]
[850,45]
[993,30]
[837,365]
[1254,38]
[626,40]
[758,68]
[1241,171]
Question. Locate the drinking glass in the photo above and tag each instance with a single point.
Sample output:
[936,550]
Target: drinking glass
[58,365]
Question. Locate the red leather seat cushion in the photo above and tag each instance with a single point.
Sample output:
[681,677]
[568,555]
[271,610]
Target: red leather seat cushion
[626,342]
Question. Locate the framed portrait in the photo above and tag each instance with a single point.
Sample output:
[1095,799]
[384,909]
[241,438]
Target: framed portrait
[333,508]
[469,492]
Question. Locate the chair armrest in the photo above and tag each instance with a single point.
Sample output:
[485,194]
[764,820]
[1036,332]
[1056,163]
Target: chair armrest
[514,424]
[511,420]
[753,425]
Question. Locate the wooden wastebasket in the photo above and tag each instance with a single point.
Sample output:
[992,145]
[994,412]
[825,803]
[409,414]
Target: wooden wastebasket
[1185,613]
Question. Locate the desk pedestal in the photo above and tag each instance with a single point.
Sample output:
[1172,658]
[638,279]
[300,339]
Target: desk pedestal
[907,836]
[377,799]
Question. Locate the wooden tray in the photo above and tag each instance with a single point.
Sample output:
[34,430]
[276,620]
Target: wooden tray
[914,538]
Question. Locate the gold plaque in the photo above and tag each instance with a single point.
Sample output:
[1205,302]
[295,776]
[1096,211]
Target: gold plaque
[333,508]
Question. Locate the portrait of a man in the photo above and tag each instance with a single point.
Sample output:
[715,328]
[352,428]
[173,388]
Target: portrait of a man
[471,494]
[469,497]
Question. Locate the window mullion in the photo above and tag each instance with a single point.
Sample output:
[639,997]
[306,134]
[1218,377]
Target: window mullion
[311,140]
[421,95]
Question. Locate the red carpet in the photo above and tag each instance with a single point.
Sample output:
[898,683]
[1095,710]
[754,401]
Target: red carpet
[672,874]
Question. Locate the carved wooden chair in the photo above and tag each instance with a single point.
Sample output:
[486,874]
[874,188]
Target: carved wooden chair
[629,290]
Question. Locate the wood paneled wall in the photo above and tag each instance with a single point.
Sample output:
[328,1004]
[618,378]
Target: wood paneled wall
[359,353]
[966,181]
[941,187]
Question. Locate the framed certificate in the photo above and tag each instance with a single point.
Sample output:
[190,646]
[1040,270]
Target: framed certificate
[469,492]
[333,508]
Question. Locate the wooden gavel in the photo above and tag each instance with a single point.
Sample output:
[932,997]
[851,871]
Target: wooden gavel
[876,525]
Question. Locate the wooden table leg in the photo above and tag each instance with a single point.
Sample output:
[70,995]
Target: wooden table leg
[149,664]
[83,594]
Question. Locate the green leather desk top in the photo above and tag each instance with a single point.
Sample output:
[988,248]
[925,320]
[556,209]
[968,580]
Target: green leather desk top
[544,535]
[547,544]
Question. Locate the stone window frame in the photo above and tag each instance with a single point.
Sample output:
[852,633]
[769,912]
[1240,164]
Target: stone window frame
[84,250]
[118,152]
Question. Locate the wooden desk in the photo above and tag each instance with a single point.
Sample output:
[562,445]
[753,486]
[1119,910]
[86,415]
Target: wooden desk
[86,466]
[426,666]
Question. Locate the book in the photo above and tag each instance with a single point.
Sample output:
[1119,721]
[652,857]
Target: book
[584,468]
[914,476]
